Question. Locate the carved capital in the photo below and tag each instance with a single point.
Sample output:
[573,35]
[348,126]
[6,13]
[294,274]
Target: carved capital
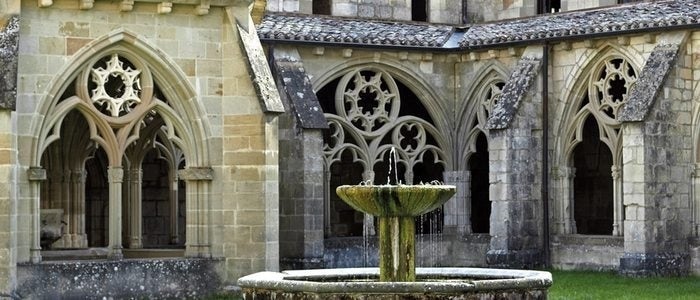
[197,173]
[115,174]
[616,172]
[36,174]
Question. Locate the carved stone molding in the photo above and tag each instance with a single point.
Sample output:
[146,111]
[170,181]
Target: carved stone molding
[196,173]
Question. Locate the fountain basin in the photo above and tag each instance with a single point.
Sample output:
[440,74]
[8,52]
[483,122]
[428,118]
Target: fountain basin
[395,200]
[432,283]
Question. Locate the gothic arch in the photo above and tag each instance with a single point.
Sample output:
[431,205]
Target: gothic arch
[369,117]
[476,104]
[437,110]
[111,82]
[600,89]
[186,115]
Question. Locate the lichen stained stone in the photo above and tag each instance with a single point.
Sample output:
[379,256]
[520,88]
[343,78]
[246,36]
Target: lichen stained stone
[513,92]
[297,86]
[260,72]
[9,41]
[653,76]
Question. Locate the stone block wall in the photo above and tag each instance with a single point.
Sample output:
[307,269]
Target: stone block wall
[238,218]
[9,35]
[569,5]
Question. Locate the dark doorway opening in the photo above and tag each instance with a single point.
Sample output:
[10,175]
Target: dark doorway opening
[593,184]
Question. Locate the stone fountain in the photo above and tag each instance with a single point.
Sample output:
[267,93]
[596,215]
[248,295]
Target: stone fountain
[396,206]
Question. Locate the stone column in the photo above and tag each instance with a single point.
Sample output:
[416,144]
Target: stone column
[197,242]
[135,206]
[76,218]
[565,223]
[36,175]
[457,210]
[618,213]
[115,175]
[368,222]
[174,208]
[695,201]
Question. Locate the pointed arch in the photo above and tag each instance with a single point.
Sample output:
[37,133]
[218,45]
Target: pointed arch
[171,79]
[598,88]
[438,110]
[148,82]
[471,117]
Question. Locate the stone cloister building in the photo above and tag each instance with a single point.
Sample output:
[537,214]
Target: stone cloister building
[168,148]
[571,136]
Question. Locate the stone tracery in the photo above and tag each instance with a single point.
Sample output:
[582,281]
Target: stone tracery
[117,89]
[126,116]
[607,87]
[368,122]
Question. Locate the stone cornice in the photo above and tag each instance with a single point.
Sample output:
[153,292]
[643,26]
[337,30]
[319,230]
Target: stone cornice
[201,7]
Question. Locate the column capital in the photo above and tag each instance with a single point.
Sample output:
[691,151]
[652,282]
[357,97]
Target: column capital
[36,174]
[115,174]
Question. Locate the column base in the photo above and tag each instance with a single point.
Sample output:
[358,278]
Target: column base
[115,253]
[655,264]
[515,259]
[35,255]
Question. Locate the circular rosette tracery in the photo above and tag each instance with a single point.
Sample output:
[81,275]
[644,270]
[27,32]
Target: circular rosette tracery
[368,99]
[115,84]
[610,87]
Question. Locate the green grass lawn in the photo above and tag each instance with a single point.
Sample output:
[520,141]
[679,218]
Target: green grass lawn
[608,285]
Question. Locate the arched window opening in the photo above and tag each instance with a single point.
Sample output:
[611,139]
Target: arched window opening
[369,113]
[419,10]
[593,184]
[479,186]
[591,178]
[344,220]
[97,200]
[156,204]
[63,202]
[321,7]
[104,193]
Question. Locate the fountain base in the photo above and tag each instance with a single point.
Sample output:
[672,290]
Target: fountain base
[432,283]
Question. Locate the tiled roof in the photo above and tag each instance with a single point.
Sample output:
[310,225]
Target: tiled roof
[610,20]
[326,29]
[617,19]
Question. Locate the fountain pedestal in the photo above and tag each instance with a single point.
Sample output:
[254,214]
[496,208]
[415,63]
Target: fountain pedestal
[397,251]
[396,206]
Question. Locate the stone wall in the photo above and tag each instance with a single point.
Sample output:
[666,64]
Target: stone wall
[516,152]
[9,35]
[568,5]
[231,212]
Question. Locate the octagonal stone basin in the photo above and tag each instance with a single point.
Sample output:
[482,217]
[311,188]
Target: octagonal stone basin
[432,283]
[395,200]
